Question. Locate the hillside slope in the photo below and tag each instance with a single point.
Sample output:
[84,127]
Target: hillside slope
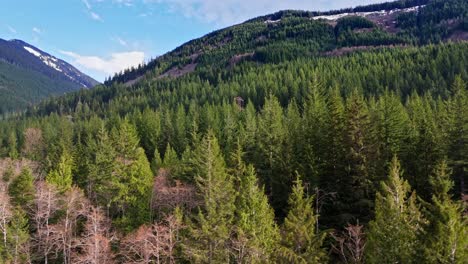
[287,35]
[28,74]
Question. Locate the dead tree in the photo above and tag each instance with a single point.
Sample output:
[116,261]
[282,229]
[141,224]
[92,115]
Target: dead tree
[95,243]
[64,231]
[46,204]
[350,244]
[6,213]
[152,244]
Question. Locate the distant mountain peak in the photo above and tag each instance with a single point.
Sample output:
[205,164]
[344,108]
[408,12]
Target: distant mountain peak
[21,63]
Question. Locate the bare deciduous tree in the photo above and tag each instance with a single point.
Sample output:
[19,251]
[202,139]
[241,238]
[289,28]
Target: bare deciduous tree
[6,213]
[95,243]
[74,204]
[166,196]
[46,204]
[153,244]
[350,244]
[33,143]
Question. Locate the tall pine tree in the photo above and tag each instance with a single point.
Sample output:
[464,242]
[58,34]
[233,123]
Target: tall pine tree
[447,236]
[211,230]
[301,241]
[393,234]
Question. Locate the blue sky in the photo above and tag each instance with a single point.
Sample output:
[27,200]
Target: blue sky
[101,37]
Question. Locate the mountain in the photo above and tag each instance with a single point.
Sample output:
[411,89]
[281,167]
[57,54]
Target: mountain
[28,74]
[290,34]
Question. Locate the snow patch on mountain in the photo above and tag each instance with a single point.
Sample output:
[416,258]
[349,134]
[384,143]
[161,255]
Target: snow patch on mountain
[365,14]
[47,60]
[33,51]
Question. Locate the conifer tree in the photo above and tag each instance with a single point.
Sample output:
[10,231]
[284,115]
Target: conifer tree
[12,146]
[356,188]
[211,230]
[125,140]
[271,161]
[447,236]
[392,126]
[256,233]
[315,117]
[171,159]
[458,132]
[61,176]
[19,237]
[21,188]
[334,177]
[133,194]
[301,241]
[156,163]
[100,183]
[393,234]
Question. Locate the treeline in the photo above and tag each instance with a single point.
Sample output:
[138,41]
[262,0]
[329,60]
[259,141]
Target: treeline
[405,71]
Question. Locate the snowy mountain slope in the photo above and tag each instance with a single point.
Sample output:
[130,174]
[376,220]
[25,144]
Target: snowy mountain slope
[28,74]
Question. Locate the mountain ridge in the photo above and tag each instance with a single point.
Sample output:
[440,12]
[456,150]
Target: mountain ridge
[29,74]
[411,22]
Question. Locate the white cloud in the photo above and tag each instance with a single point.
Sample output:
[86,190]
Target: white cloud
[121,41]
[124,2]
[86,3]
[95,16]
[11,29]
[227,12]
[37,30]
[108,66]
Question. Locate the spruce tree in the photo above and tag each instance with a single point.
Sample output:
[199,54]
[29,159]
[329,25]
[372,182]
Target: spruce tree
[134,192]
[21,189]
[12,146]
[356,188]
[171,160]
[156,163]
[61,176]
[19,237]
[211,229]
[100,184]
[301,241]
[270,161]
[256,233]
[393,234]
[447,236]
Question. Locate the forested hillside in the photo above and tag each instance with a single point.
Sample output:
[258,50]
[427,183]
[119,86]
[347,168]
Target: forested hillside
[287,35]
[28,74]
[311,158]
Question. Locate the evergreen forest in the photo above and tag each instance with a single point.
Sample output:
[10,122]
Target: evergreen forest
[288,155]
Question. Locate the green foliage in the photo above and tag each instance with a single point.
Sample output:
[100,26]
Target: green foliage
[210,232]
[271,139]
[393,235]
[12,146]
[448,230]
[62,176]
[336,120]
[99,183]
[301,241]
[256,232]
[21,188]
[14,249]
[170,158]
[134,182]
[157,162]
